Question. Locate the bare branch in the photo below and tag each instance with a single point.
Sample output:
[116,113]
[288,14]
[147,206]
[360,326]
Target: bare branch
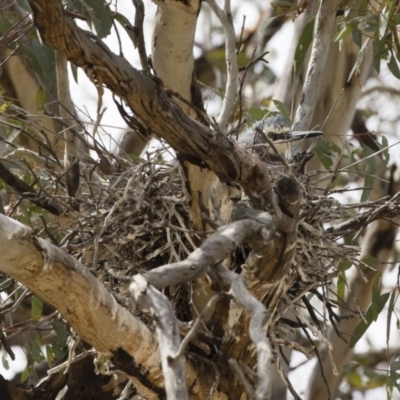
[168,336]
[139,17]
[28,192]
[66,110]
[214,250]
[389,209]
[232,70]
[259,314]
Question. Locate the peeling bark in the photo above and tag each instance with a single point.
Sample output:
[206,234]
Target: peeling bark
[85,303]
[151,103]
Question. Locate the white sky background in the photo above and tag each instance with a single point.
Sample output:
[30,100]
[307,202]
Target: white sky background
[85,96]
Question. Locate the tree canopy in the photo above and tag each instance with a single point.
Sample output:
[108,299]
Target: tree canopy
[203,266]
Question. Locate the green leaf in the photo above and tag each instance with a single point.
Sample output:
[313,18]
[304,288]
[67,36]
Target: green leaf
[345,31]
[393,66]
[282,108]
[369,24]
[100,15]
[4,107]
[341,286]
[376,293]
[41,59]
[335,148]
[354,379]
[379,52]
[74,70]
[363,7]
[369,173]
[269,22]
[59,340]
[4,361]
[345,265]
[324,154]
[41,98]
[389,316]
[367,262]
[25,374]
[242,59]
[24,5]
[49,355]
[359,59]
[357,37]
[36,353]
[362,327]
[257,113]
[217,58]
[37,308]
[302,47]
[126,24]
[383,22]
[385,153]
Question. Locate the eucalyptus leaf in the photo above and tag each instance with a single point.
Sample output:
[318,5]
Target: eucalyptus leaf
[341,286]
[360,57]
[257,113]
[282,108]
[324,154]
[126,24]
[101,16]
[383,22]
[37,308]
[25,374]
[376,292]
[345,265]
[357,37]
[389,315]
[393,66]
[302,47]
[41,98]
[362,327]
[4,361]
[369,172]
[345,31]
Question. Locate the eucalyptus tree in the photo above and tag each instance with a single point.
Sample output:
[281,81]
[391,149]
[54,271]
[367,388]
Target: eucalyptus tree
[194,273]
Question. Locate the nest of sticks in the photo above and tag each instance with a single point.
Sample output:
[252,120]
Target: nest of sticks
[140,220]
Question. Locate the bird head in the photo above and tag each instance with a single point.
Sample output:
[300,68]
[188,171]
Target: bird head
[278,131]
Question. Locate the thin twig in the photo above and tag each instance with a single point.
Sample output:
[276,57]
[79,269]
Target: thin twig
[139,37]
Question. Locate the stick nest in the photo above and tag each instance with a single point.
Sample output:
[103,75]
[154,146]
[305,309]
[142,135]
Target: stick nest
[140,220]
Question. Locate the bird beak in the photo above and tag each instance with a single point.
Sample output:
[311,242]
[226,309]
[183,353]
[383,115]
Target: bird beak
[302,135]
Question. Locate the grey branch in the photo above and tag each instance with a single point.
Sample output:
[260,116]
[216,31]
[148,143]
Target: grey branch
[208,259]
[215,249]
[324,26]
[168,336]
[236,286]
[389,209]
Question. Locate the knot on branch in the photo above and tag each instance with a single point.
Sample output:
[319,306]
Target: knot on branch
[288,192]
